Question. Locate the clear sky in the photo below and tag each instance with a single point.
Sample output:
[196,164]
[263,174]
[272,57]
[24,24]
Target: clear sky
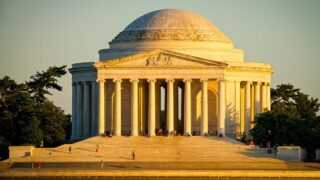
[36,34]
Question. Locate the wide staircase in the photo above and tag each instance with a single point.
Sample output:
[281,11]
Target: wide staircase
[155,158]
[154,149]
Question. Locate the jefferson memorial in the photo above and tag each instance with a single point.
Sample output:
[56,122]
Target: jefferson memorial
[169,71]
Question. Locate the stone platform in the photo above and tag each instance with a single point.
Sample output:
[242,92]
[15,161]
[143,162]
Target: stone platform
[156,158]
[154,149]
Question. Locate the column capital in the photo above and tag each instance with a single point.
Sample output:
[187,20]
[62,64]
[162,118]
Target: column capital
[265,83]
[204,79]
[257,83]
[249,82]
[79,82]
[151,80]
[134,80]
[100,80]
[228,81]
[117,80]
[74,83]
[221,80]
[170,80]
[187,80]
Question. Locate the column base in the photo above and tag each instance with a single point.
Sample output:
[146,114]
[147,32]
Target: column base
[204,134]
[221,133]
[117,134]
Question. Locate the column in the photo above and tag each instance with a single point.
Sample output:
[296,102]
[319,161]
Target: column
[79,110]
[152,101]
[238,108]
[101,121]
[93,108]
[222,108]
[157,106]
[268,97]
[142,109]
[170,106]
[175,105]
[134,107]
[204,107]
[247,107]
[74,111]
[86,113]
[187,106]
[117,123]
[263,97]
[257,98]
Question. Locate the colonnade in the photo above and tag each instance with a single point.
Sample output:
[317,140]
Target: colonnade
[170,106]
[89,116]
[84,109]
[261,101]
[152,106]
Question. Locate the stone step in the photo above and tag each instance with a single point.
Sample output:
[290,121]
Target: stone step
[159,149]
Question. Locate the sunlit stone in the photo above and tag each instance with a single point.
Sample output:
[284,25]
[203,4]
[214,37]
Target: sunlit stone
[169,49]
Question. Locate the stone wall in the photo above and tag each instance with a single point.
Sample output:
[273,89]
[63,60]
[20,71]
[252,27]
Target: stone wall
[291,153]
[20,151]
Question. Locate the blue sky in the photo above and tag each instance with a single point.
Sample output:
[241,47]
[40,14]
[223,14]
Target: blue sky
[36,34]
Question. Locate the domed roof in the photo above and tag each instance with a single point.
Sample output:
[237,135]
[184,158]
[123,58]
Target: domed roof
[171,24]
[170,19]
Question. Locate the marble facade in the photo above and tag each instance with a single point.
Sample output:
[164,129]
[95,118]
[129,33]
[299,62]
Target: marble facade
[205,85]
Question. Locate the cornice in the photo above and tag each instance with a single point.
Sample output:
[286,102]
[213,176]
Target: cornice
[162,54]
[171,34]
[249,69]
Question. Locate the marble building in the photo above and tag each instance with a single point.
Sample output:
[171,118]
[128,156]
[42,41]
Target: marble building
[171,70]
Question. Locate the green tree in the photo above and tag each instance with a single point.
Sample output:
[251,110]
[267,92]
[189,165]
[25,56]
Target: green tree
[292,120]
[18,121]
[41,82]
[27,116]
[54,122]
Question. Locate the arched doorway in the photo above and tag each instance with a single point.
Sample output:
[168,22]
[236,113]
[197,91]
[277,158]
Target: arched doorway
[212,112]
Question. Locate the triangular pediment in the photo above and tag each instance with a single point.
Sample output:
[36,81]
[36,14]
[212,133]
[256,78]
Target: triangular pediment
[159,58]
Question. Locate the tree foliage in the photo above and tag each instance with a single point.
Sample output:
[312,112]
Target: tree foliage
[41,82]
[293,120]
[27,116]
[54,122]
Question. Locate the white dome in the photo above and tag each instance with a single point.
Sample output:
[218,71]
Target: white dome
[170,19]
[175,30]
[171,24]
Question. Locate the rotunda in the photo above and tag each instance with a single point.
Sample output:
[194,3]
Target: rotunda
[169,72]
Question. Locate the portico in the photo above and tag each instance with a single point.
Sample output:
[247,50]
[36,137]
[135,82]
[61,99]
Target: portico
[120,103]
